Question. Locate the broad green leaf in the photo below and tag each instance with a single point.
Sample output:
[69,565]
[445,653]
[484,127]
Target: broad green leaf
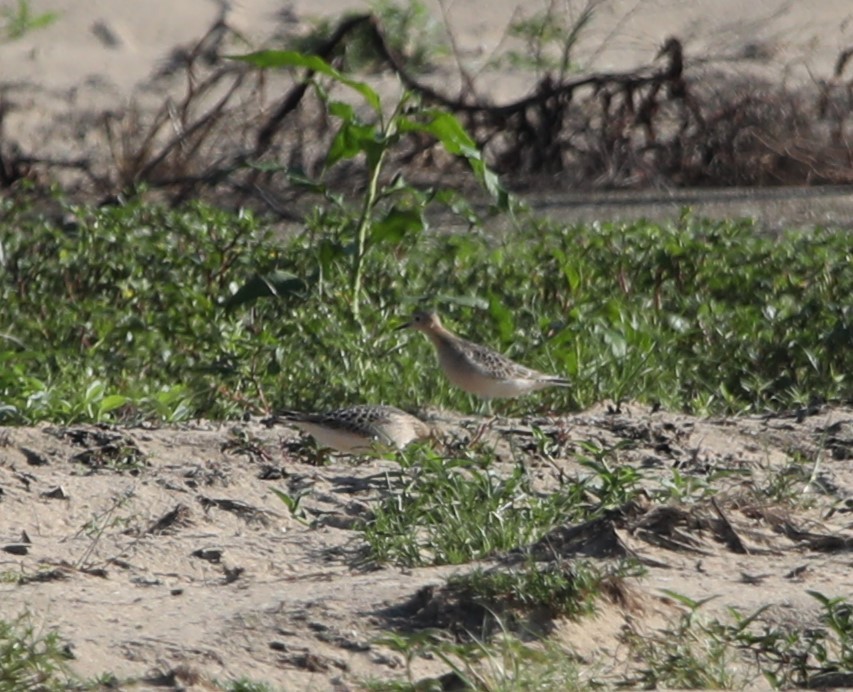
[351,140]
[396,225]
[573,277]
[94,391]
[266,59]
[341,110]
[447,129]
[111,402]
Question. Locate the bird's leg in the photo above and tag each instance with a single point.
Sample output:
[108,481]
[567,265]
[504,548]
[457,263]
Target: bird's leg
[484,410]
[483,407]
[504,408]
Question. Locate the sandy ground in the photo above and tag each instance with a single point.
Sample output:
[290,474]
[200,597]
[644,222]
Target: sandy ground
[164,552]
[100,49]
[234,586]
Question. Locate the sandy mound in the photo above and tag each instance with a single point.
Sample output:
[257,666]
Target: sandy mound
[159,552]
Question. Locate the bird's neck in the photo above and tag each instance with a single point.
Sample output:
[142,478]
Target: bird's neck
[441,336]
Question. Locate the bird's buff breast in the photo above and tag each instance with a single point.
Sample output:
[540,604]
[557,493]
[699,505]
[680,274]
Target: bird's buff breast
[341,440]
[471,380]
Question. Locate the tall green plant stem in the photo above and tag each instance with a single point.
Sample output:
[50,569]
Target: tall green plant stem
[364,222]
[375,159]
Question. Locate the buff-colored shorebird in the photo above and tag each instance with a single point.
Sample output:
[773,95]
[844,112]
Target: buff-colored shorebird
[358,429]
[478,369]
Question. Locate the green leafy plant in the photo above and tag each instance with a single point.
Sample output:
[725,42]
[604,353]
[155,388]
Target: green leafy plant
[613,485]
[149,308]
[705,652]
[801,656]
[387,212]
[451,510]
[293,504]
[685,655]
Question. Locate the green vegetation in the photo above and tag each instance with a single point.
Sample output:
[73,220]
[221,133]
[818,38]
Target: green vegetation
[699,652]
[505,664]
[142,312]
[15,23]
[452,511]
[30,659]
[388,213]
[567,589]
[246,685]
[445,510]
[136,311]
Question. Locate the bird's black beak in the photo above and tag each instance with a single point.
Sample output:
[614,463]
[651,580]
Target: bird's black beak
[403,326]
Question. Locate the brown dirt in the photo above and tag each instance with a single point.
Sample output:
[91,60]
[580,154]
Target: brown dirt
[162,554]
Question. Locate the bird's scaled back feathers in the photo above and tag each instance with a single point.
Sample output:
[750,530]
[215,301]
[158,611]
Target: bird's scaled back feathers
[359,428]
[478,369]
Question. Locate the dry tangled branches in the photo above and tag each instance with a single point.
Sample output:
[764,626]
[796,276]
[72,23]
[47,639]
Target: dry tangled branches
[650,126]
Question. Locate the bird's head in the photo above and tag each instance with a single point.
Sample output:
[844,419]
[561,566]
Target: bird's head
[423,321]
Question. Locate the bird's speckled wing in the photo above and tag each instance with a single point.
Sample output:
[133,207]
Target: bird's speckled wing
[377,422]
[363,420]
[492,364]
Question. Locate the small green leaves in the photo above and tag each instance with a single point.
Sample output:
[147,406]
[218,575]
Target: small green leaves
[446,128]
[293,504]
[398,223]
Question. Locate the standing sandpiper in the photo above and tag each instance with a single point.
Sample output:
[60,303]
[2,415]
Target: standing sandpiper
[358,429]
[478,369]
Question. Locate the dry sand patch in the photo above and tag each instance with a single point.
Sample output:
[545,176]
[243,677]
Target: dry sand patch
[159,553]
